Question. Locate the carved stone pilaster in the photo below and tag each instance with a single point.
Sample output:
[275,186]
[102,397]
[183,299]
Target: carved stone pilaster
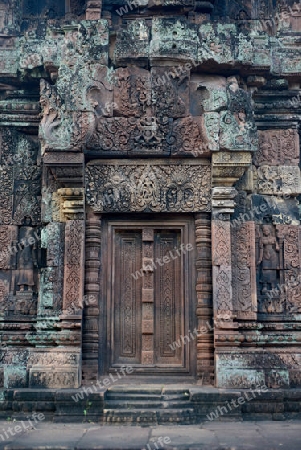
[91,331]
[222,270]
[205,355]
[223,310]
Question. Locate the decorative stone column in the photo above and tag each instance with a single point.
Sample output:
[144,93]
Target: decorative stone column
[227,168]
[93,306]
[205,347]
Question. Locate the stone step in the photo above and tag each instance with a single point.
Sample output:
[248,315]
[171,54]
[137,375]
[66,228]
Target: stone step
[178,416]
[128,416]
[150,416]
[147,390]
[126,397]
[133,404]
[144,397]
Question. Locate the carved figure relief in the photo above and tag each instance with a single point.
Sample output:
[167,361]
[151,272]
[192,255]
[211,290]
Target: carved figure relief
[27,195]
[268,258]
[170,91]
[27,257]
[269,265]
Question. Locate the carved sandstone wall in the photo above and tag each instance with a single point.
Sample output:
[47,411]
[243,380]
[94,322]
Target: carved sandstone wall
[150,106]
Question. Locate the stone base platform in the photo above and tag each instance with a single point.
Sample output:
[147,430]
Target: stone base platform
[151,404]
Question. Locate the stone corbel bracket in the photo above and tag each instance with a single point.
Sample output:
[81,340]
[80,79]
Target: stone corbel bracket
[66,167]
[229,167]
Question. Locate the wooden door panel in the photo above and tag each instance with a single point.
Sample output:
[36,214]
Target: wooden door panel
[127,298]
[148,310]
[168,298]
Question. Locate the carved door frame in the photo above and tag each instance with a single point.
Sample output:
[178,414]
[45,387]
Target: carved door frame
[186,225]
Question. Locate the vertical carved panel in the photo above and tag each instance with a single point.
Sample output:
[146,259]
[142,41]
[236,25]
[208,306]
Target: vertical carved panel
[290,288]
[221,261]
[93,307]
[244,272]
[291,249]
[74,262]
[6,195]
[205,346]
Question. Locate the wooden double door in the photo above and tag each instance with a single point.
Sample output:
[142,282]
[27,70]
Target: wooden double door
[149,296]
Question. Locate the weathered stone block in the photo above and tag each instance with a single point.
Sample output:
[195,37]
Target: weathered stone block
[173,39]
[271,180]
[132,43]
[216,43]
[50,377]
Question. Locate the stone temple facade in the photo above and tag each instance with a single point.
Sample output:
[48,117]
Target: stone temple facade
[149,192]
